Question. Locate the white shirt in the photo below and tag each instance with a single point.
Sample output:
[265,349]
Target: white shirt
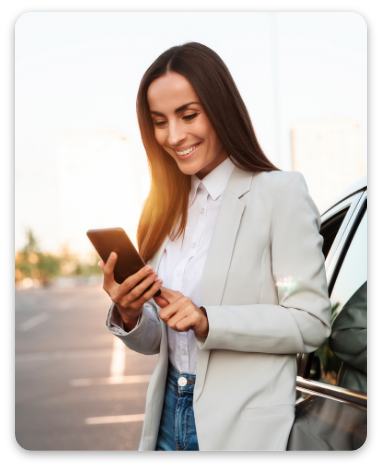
[182,263]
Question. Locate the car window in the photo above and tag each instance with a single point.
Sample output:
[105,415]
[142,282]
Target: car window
[333,225]
[329,230]
[341,360]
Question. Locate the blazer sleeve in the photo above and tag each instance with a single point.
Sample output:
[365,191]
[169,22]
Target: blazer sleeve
[145,338]
[300,323]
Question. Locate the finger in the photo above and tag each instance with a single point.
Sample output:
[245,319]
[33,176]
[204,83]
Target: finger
[170,310]
[109,269]
[161,301]
[130,282]
[146,288]
[152,291]
[170,295]
[101,264]
[176,320]
[135,295]
[184,324]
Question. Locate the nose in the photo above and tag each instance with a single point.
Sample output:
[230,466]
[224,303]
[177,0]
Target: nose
[176,134]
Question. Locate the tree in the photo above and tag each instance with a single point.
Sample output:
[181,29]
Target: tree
[31,263]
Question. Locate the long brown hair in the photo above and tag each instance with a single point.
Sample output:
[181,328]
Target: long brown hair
[167,201]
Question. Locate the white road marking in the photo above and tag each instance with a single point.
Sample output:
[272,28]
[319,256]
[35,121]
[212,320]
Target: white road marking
[53,355]
[33,322]
[118,360]
[117,370]
[115,419]
[126,379]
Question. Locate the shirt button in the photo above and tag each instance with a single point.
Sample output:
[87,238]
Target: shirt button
[182,381]
[202,210]
[179,273]
[193,245]
[183,351]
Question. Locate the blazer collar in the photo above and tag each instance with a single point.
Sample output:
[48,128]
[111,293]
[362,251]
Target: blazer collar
[239,184]
[215,182]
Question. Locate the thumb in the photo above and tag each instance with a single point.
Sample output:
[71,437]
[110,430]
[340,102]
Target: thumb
[170,295]
[161,301]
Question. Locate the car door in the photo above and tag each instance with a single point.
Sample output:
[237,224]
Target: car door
[332,381]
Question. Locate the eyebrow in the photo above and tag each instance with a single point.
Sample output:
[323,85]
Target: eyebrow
[178,110]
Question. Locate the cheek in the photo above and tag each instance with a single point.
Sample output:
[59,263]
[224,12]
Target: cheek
[159,136]
[204,128]
[207,132]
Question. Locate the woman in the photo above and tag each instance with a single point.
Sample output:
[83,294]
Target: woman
[244,289]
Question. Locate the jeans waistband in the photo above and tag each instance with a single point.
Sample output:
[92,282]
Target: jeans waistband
[173,377]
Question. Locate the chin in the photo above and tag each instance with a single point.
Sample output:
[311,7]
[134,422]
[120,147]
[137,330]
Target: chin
[188,169]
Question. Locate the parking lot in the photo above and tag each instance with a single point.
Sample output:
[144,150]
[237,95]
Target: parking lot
[77,386]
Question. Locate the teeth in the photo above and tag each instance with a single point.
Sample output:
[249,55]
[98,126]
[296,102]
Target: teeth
[186,152]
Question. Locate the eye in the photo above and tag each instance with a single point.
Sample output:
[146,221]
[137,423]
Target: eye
[190,117]
[159,123]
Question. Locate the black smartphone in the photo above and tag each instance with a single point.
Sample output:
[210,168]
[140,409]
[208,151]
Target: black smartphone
[116,239]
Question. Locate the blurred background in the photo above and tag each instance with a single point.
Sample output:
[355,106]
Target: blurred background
[80,164]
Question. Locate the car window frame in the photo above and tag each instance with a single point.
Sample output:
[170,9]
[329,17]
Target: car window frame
[340,251]
[337,253]
[352,203]
[304,361]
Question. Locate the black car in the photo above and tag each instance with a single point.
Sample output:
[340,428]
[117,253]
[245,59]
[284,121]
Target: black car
[331,406]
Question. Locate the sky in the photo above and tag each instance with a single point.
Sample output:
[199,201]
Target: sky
[80,72]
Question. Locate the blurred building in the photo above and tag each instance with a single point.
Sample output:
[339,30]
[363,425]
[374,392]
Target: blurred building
[328,152]
[101,186]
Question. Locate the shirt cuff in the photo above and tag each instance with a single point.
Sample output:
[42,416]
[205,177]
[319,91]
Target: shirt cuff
[116,323]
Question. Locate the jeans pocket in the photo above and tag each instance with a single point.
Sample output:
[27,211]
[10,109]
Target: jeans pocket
[183,421]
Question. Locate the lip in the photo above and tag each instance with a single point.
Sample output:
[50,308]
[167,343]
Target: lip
[189,155]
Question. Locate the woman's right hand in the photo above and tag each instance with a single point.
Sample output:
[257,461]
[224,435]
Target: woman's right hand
[128,296]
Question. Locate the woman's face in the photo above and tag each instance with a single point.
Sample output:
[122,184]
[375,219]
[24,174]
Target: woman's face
[182,127]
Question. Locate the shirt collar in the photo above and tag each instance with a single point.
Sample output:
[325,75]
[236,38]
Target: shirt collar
[215,182]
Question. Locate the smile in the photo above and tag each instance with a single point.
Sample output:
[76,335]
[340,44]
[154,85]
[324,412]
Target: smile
[187,151]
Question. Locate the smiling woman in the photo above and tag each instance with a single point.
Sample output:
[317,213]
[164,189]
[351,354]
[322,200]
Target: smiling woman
[192,75]
[226,329]
[182,127]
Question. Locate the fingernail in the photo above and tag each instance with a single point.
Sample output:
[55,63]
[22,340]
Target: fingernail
[112,256]
[148,268]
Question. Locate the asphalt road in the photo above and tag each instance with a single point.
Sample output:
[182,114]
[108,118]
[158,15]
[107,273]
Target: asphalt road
[76,386]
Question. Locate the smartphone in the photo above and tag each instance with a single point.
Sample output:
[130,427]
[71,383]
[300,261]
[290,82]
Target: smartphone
[116,239]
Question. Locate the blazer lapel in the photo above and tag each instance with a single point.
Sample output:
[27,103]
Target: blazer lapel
[219,255]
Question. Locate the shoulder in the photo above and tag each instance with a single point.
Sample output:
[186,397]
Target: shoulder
[279,181]
[291,198]
[285,191]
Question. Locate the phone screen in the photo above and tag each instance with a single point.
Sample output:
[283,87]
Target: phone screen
[116,239]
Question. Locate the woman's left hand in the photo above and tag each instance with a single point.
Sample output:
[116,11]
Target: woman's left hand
[180,313]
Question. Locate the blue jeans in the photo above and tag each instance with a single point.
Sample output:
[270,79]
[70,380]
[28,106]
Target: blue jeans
[177,427]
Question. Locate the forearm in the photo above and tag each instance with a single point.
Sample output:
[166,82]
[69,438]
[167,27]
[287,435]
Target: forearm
[144,337]
[130,324]
[263,328]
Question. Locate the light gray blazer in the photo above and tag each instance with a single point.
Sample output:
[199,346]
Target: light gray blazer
[265,291]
